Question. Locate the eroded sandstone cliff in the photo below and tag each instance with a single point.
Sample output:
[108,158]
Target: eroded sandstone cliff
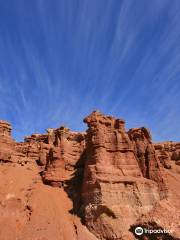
[98,184]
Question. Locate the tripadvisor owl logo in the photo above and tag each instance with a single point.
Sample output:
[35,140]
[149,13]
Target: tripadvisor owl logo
[138,231]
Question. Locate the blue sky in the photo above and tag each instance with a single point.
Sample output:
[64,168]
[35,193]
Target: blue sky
[62,59]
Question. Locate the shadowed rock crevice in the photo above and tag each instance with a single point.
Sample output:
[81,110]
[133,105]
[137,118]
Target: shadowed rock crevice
[73,187]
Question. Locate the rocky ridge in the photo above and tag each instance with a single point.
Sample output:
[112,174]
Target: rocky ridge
[103,183]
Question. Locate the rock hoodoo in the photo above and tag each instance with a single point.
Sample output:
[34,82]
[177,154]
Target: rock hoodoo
[5,129]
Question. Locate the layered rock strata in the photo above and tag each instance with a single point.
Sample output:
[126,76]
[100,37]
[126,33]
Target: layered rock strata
[147,158]
[113,179]
[118,185]
[168,153]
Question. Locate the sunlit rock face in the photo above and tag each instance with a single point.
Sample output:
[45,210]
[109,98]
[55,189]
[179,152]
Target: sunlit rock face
[5,129]
[114,191]
[107,178]
[168,154]
[6,142]
[65,157]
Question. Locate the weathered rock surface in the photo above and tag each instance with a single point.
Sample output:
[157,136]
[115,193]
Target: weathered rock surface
[147,158]
[29,209]
[106,182]
[65,156]
[168,154]
[121,179]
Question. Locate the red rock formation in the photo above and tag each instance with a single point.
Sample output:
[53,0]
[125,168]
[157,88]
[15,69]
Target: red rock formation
[5,130]
[113,179]
[168,154]
[146,156]
[114,189]
[28,208]
[65,155]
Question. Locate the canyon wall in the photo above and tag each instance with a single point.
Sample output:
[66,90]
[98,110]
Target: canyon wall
[102,183]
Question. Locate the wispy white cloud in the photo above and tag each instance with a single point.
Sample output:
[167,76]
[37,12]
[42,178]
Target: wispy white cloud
[61,60]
